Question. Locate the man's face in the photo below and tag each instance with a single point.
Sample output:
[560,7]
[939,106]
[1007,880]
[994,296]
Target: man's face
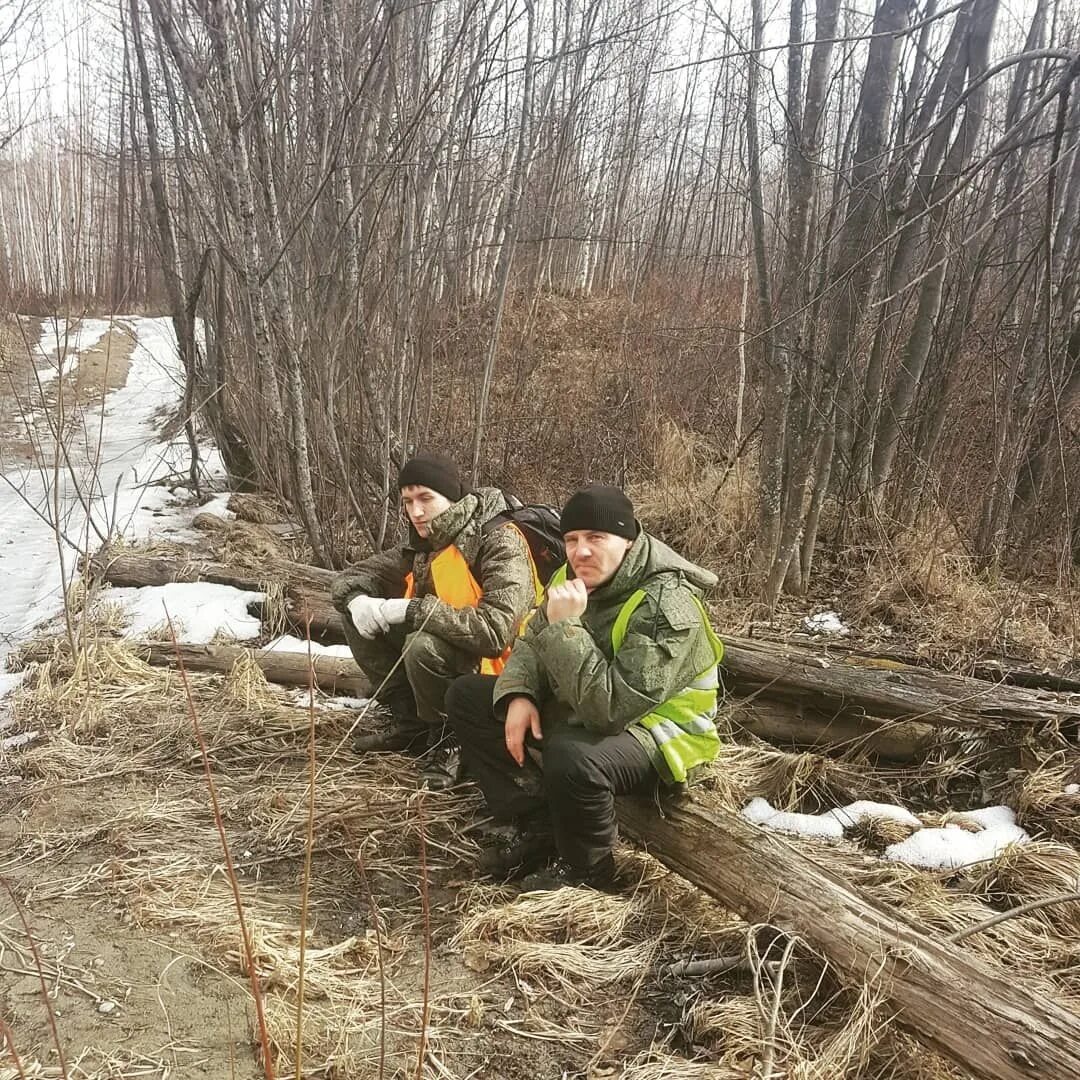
[595,556]
[422,506]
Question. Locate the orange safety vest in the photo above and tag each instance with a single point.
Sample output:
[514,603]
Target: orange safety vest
[455,585]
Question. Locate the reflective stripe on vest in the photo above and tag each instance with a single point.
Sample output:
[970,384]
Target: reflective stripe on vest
[455,585]
[683,728]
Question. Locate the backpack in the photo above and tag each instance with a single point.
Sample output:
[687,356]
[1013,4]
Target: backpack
[539,524]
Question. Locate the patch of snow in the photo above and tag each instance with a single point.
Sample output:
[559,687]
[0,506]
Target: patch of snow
[219,505]
[347,702]
[288,643]
[299,698]
[200,610]
[8,682]
[113,485]
[989,817]
[826,622]
[760,812]
[13,742]
[950,849]
[947,848]
[854,813]
[60,348]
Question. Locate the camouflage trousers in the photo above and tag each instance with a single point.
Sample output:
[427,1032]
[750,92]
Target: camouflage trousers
[413,670]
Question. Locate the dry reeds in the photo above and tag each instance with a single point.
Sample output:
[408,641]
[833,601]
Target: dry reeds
[1047,799]
[923,581]
[704,507]
[805,781]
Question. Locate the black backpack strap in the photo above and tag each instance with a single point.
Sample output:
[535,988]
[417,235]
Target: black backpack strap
[505,518]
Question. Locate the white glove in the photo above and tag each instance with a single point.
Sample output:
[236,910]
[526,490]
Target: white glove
[394,611]
[367,617]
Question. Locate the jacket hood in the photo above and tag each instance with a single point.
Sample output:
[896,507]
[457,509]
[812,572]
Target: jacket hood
[649,558]
[465,517]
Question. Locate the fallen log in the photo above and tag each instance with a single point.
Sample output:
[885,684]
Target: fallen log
[982,1019]
[790,724]
[1011,670]
[333,675]
[889,691]
[307,588]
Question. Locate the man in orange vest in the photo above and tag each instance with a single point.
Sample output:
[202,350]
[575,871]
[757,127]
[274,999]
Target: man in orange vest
[450,601]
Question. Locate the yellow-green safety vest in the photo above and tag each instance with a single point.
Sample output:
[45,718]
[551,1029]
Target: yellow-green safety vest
[683,729]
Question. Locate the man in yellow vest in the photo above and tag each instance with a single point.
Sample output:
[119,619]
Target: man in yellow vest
[613,685]
[450,601]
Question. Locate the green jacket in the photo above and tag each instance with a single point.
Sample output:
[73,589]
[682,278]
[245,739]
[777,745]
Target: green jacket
[571,671]
[499,561]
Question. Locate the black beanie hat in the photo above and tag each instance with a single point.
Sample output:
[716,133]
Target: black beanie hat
[601,508]
[435,471]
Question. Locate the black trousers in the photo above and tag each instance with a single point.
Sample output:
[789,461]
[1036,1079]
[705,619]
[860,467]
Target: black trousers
[574,790]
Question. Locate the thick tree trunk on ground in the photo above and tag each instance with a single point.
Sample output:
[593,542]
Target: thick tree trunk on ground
[789,724]
[893,692]
[1006,669]
[980,1018]
[333,675]
[306,587]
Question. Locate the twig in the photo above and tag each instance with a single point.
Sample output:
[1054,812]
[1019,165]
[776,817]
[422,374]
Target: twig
[426,905]
[772,1018]
[41,976]
[366,885]
[232,1048]
[230,870]
[308,844]
[1001,916]
[714,965]
[9,1039]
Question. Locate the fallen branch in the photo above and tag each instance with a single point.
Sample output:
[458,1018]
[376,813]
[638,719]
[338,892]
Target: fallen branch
[1003,1031]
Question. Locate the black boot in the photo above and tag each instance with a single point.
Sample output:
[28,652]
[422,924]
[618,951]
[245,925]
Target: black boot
[443,766]
[559,873]
[513,850]
[398,728]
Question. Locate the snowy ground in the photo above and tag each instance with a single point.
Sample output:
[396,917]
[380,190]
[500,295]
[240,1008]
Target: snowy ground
[970,837]
[102,479]
[108,481]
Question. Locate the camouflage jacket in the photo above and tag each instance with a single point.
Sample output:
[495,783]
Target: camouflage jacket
[499,561]
[569,670]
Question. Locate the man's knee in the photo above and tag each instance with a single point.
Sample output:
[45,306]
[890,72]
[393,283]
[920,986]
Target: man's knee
[468,699]
[568,764]
[426,654]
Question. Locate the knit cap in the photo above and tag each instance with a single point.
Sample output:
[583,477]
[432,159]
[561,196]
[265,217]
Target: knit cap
[599,508]
[435,471]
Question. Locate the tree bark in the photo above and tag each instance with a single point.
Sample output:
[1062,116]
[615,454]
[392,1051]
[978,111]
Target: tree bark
[306,587]
[790,724]
[889,690]
[333,675]
[981,1018]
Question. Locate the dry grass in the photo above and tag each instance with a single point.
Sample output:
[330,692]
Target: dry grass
[923,583]
[1036,871]
[109,716]
[258,508]
[1043,805]
[575,956]
[702,506]
[806,781]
